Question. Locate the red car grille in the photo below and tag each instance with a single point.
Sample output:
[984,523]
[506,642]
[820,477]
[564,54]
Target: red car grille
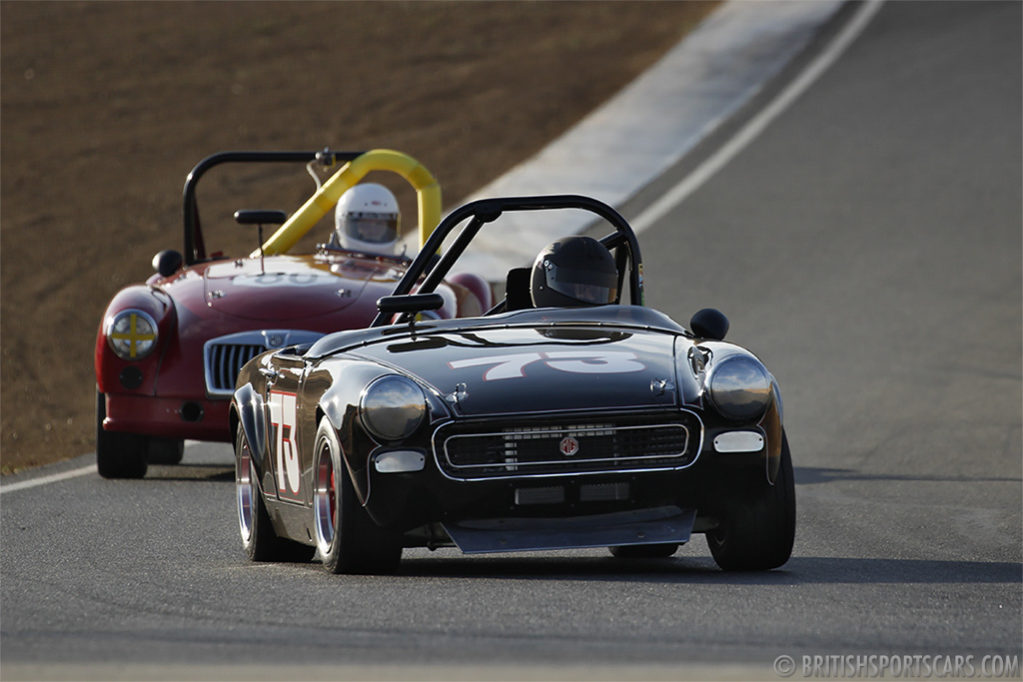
[223,362]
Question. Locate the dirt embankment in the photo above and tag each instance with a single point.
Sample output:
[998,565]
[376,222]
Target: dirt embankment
[105,106]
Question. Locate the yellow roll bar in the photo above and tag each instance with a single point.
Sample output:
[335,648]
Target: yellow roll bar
[302,220]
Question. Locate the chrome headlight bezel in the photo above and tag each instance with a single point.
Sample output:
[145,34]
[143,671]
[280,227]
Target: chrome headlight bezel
[392,407]
[132,334]
[740,387]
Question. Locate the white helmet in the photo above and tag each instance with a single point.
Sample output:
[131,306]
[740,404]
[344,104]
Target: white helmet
[366,219]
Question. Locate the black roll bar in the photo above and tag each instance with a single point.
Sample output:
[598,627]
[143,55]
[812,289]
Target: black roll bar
[195,249]
[488,210]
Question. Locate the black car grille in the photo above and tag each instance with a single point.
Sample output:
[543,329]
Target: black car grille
[223,362]
[494,449]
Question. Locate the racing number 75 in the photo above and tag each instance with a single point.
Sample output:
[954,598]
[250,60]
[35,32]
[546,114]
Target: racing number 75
[282,418]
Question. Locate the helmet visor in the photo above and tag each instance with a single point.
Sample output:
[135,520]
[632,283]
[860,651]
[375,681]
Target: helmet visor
[374,228]
[596,288]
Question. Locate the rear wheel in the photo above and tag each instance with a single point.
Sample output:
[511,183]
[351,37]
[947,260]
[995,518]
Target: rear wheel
[757,532]
[118,455]
[260,541]
[347,539]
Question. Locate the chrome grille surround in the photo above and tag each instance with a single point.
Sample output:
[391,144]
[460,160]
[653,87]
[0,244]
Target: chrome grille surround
[531,445]
[224,356]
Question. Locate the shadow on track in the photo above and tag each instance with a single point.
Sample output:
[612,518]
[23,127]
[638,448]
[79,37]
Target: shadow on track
[701,570]
[812,475]
[191,472]
[681,569]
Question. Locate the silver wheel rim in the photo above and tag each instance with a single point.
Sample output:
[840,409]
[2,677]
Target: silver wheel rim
[244,484]
[325,499]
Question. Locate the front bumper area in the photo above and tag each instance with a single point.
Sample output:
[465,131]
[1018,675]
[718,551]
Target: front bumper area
[627,478]
[406,501]
[177,418]
[669,525]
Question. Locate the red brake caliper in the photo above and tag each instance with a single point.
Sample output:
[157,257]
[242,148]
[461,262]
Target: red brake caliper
[333,497]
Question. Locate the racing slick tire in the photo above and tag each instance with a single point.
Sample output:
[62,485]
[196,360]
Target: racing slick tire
[659,551]
[118,455]
[260,541]
[757,533]
[347,540]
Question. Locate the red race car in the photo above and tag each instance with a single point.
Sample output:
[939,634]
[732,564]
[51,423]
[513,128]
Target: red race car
[168,351]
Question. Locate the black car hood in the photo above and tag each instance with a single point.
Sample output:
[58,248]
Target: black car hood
[494,370]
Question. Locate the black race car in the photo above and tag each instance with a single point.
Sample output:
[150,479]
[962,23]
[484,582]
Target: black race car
[561,418]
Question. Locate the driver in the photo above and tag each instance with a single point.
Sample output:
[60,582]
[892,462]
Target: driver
[574,271]
[366,219]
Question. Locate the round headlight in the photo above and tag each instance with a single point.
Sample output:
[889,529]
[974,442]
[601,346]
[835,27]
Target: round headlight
[392,407]
[740,387]
[131,334]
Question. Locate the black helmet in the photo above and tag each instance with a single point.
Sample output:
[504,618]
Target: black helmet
[574,271]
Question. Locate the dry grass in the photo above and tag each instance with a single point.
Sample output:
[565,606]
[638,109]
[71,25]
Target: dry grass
[105,106]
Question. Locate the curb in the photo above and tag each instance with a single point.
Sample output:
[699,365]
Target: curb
[650,125]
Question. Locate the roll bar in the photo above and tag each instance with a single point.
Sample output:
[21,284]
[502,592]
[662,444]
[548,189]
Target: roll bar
[356,165]
[488,210]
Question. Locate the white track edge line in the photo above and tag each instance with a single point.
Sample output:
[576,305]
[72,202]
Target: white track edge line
[758,123]
[55,478]
[43,480]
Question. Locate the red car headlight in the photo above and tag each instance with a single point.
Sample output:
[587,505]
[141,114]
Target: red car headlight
[132,334]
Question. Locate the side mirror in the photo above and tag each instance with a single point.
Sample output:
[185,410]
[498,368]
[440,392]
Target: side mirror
[709,323]
[167,262]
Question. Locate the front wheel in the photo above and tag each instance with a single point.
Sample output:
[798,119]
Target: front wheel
[757,532]
[347,539]
[259,540]
[118,455]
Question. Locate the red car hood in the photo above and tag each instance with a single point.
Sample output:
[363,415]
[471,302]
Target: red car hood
[284,288]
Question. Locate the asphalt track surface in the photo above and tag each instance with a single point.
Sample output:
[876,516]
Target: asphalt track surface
[867,245]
